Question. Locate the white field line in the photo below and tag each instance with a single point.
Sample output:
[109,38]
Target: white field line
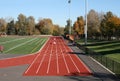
[43,45]
[57,58]
[102,65]
[42,60]
[11,41]
[35,41]
[38,44]
[38,41]
[49,60]
[18,45]
[36,57]
[23,55]
[64,60]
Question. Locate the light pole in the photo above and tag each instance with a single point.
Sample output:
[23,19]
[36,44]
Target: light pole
[69,1]
[85,30]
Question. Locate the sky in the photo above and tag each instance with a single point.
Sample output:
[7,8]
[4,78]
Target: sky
[57,10]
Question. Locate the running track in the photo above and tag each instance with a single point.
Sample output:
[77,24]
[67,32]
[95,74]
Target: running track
[55,59]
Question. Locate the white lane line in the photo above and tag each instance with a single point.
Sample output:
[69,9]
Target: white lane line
[11,41]
[72,58]
[32,63]
[82,62]
[19,45]
[36,57]
[41,62]
[57,58]
[49,59]
[64,58]
[74,64]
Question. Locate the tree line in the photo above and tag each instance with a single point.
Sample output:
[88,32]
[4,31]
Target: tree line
[103,26]
[27,26]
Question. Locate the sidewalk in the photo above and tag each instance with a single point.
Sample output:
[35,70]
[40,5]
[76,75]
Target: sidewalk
[98,71]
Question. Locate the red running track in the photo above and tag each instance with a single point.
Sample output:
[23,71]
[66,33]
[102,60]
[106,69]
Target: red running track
[16,61]
[57,59]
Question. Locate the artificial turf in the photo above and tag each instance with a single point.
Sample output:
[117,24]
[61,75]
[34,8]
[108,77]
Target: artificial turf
[22,45]
[109,49]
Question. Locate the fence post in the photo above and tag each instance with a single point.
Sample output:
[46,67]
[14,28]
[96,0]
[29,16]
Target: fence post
[113,66]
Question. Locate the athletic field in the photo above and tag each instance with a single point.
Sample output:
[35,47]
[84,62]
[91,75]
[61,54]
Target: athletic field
[54,54]
[22,44]
[47,59]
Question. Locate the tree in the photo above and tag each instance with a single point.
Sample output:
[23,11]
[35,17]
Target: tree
[22,24]
[56,30]
[61,29]
[30,28]
[114,26]
[93,24]
[78,26]
[67,27]
[3,25]
[105,26]
[17,26]
[11,28]
[45,26]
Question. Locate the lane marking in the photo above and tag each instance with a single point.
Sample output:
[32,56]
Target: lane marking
[36,57]
[57,58]
[64,59]
[49,59]
[72,58]
[42,60]
[74,64]
[82,62]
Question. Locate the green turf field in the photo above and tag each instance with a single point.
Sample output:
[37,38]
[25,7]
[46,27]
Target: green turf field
[109,49]
[22,44]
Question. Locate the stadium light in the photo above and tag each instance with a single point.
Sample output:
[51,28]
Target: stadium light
[69,2]
[85,29]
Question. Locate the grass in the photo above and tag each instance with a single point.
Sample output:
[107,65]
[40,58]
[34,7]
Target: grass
[22,45]
[109,49]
